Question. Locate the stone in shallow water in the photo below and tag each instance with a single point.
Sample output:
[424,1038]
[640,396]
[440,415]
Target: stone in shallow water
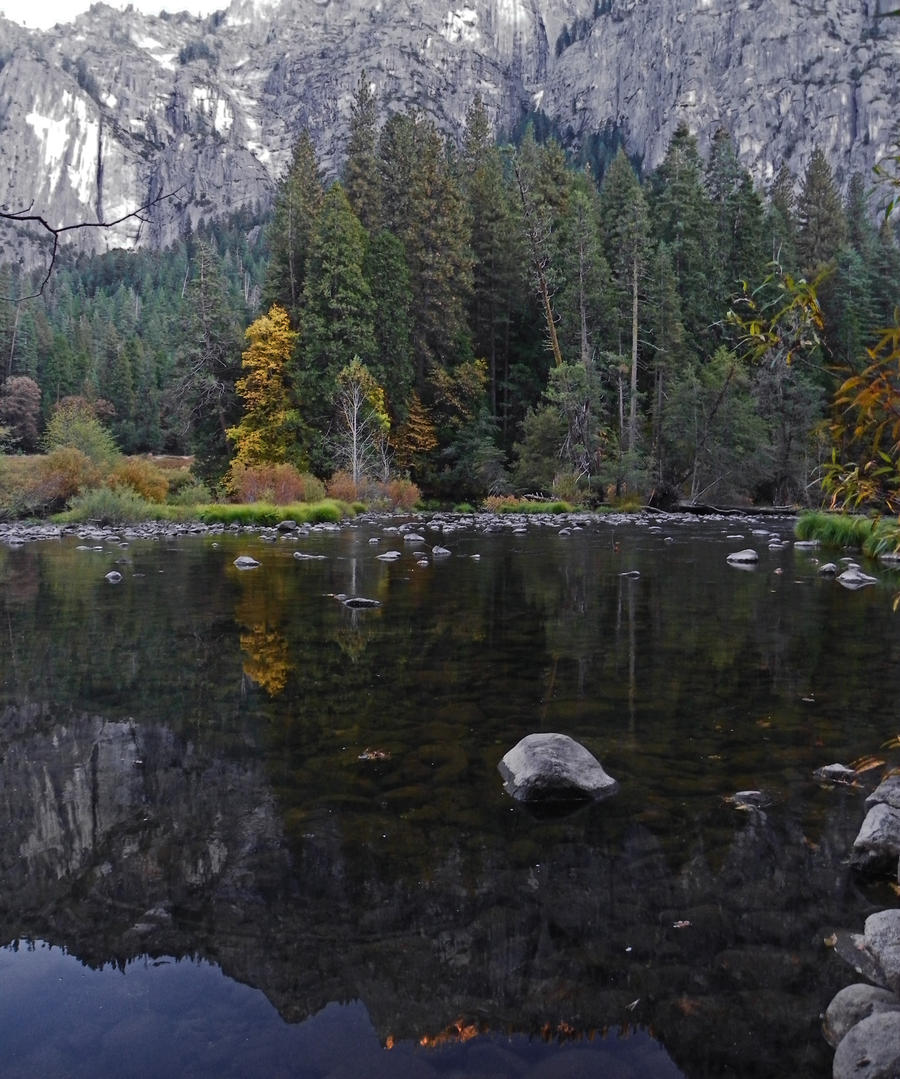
[746,557]
[853,1004]
[877,846]
[870,1050]
[553,768]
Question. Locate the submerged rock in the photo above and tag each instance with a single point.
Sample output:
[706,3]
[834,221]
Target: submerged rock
[244,561]
[554,768]
[359,602]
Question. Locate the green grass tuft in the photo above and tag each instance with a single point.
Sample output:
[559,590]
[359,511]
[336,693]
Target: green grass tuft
[267,514]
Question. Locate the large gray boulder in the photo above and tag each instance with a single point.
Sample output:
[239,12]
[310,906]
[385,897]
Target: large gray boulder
[544,768]
[882,937]
[853,1004]
[877,846]
[887,791]
[870,1049]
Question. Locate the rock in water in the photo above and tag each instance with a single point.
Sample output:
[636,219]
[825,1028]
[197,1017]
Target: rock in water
[747,557]
[244,561]
[870,1050]
[554,768]
[853,1004]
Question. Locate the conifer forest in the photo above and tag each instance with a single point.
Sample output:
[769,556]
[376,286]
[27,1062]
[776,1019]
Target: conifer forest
[489,317]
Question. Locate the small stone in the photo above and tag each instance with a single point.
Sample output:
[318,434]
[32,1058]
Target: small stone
[746,557]
[244,561]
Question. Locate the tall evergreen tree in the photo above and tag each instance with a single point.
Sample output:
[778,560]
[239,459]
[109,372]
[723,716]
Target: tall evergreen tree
[684,217]
[338,316]
[297,203]
[392,359]
[739,215]
[423,205]
[781,220]
[820,214]
[497,254]
[362,177]
[625,224]
[208,363]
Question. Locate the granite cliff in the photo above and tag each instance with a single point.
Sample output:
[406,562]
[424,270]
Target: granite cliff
[103,114]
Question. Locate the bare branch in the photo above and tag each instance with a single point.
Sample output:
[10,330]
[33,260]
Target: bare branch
[26,215]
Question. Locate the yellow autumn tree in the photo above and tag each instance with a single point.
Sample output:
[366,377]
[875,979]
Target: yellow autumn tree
[267,433]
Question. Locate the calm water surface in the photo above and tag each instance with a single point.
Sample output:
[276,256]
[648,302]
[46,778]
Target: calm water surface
[251,832]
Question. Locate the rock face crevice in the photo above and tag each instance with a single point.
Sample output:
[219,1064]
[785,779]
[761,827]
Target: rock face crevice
[101,114]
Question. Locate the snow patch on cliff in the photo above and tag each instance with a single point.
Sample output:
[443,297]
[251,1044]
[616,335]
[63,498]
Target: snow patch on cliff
[461,25]
[69,146]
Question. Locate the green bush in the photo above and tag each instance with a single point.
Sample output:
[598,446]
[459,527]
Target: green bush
[109,506]
[73,425]
[195,493]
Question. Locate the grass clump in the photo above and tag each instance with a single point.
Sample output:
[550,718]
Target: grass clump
[109,506]
[835,530]
[327,510]
[511,504]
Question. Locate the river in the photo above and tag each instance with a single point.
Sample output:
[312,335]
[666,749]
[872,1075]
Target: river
[249,831]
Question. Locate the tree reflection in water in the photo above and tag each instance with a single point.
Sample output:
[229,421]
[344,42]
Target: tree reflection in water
[160,803]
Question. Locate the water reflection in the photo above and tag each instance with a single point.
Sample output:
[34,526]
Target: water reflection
[237,769]
[155,1019]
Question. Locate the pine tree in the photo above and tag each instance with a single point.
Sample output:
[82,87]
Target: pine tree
[208,363]
[362,179]
[392,360]
[625,225]
[781,220]
[685,219]
[423,205]
[297,204]
[822,225]
[738,208]
[338,316]
[497,252]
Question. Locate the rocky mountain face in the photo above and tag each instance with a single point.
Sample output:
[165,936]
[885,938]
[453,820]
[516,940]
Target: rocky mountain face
[105,114]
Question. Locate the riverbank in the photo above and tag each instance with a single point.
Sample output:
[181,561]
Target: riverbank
[16,533]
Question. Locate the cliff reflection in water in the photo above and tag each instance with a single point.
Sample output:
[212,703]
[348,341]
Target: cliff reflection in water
[336,830]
